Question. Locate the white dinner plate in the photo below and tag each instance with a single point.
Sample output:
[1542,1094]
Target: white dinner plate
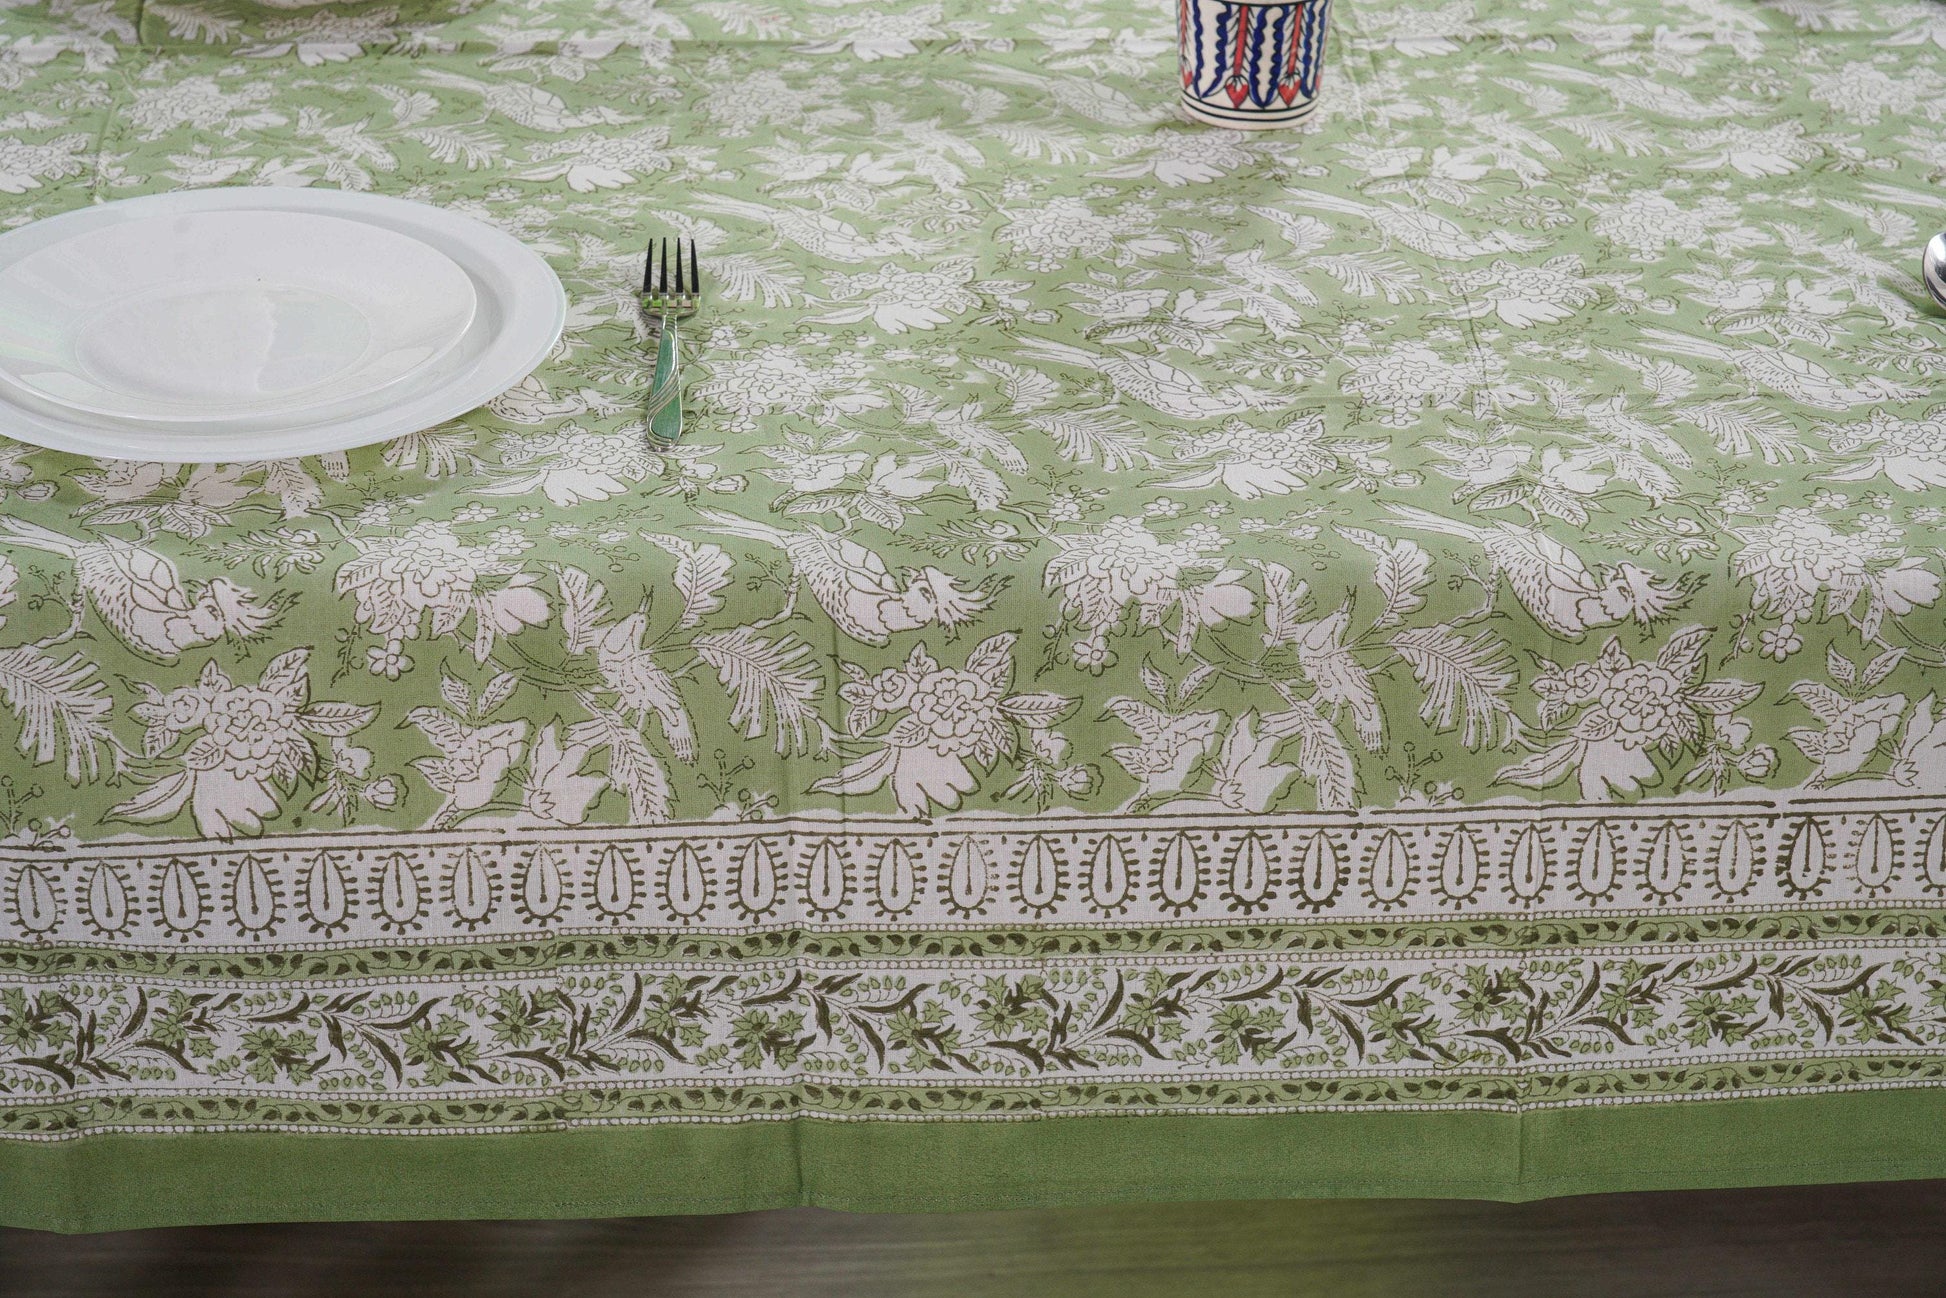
[308,398]
[226,317]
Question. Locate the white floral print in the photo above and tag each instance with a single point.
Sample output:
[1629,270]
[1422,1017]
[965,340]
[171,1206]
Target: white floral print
[1627,712]
[255,742]
[426,580]
[952,723]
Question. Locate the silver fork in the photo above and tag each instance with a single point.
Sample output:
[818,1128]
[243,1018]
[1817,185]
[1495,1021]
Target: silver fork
[672,289]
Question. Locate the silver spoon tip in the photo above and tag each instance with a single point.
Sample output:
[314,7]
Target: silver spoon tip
[1933,269]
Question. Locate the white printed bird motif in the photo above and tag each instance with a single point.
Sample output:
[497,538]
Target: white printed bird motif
[924,145]
[1151,380]
[743,277]
[1795,376]
[525,105]
[1610,420]
[1093,99]
[1268,289]
[1510,145]
[472,761]
[1727,17]
[1646,94]
[820,233]
[853,585]
[1115,305]
[806,472]
[1639,451]
[1866,276]
[1418,229]
[1551,581]
[141,595]
[963,426]
[1365,274]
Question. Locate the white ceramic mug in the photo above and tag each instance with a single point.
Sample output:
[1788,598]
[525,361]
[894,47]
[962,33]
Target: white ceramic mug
[1250,66]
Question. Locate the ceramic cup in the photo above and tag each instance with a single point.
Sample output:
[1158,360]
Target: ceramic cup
[1250,66]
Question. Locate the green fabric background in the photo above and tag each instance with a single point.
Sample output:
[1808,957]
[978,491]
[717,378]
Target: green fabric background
[1578,340]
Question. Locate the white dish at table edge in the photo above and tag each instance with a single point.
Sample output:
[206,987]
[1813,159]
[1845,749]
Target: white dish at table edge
[521,311]
[227,319]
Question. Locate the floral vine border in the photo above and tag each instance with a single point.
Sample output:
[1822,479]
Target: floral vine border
[567,1109]
[1333,1022]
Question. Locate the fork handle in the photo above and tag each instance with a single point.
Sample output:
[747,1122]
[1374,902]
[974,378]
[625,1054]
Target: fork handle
[665,389]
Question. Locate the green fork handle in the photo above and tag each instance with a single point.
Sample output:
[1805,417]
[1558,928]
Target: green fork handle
[665,390]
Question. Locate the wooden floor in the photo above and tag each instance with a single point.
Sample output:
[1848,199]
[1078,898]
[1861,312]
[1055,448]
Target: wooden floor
[1846,1242]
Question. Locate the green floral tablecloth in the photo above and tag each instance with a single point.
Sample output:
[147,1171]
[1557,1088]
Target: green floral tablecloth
[1399,658]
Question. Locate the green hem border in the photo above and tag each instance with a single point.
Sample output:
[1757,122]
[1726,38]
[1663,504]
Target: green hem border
[119,1182]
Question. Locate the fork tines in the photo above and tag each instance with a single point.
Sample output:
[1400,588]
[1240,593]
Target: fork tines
[671,281]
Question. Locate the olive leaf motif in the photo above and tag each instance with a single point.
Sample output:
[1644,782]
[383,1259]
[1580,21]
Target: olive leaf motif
[1404,572]
[1322,757]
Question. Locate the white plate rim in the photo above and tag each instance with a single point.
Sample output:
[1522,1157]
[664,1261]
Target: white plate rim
[522,291]
[24,394]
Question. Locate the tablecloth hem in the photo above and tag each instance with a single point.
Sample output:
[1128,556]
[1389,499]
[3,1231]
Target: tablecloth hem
[119,1182]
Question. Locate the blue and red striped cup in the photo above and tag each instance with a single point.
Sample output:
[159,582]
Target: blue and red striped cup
[1250,66]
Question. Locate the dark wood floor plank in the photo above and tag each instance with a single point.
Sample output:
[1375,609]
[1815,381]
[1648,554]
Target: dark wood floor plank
[1871,1241]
